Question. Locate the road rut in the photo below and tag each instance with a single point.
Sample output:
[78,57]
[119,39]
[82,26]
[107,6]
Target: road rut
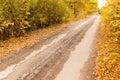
[46,58]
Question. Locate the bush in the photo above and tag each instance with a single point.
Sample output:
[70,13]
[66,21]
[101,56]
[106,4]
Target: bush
[48,12]
[17,17]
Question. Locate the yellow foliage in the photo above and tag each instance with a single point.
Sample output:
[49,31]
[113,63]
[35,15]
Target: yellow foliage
[108,60]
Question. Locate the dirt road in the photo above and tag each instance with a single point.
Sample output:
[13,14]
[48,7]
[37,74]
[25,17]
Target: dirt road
[61,56]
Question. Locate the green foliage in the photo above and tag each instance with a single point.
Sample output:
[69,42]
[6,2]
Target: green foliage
[48,12]
[17,17]
[82,7]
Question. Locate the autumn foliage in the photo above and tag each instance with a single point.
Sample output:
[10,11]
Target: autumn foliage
[17,17]
[108,60]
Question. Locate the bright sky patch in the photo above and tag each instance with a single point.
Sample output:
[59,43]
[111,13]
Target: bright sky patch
[101,3]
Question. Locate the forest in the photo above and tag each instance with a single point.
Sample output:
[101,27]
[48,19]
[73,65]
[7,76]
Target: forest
[17,17]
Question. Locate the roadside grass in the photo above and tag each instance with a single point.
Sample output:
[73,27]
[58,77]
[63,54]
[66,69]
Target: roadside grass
[108,56]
